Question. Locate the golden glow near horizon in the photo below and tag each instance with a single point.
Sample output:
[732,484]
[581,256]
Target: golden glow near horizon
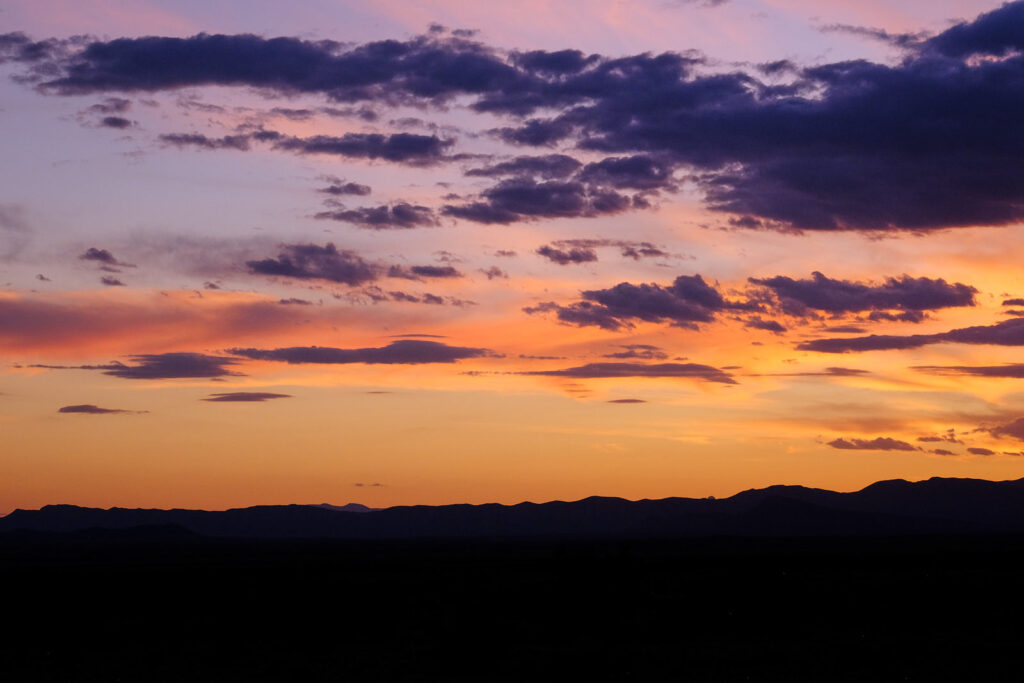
[192,315]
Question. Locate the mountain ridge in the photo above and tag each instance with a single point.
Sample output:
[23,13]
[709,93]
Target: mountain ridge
[889,507]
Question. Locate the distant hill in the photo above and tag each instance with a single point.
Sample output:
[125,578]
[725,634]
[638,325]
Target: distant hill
[350,507]
[894,507]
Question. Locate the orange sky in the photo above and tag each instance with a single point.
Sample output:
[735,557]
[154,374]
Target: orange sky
[192,315]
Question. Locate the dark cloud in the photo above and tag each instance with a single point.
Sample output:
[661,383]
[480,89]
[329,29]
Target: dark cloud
[627,400]
[404,148]
[1013,430]
[172,366]
[778,67]
[941,451]
[638,172]
[1006,333]
[293,114]
[180,365]
[1012,370]
[111,105]
[948,437]
[244,397]
[494,272]
[420,272]
[1013,302]
[687,301]
[996,33]
[398,216]
[116,122]
[424,68]
[881,443]
[377,295]
[292,301]
[874,342]
[905,293]
[641,351]
[18,47]
[580,191]
[309,261]
[560,62]
[975,450]
[88,409]
[42,278]
[435,271]
[339,189]
[364,113]
[505,253]
[658,370]
[758,323]
[406,352]
[103,257]
[111,281]
[524,199]
[639,250]
[904,316]
[581,250]
[235,142]
[536,132]
[562,258]
[853,145]
[547,167]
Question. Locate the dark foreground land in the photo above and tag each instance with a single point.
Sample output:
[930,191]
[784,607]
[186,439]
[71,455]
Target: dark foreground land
[161,605]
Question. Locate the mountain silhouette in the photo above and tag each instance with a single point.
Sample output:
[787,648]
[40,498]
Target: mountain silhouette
[894,507]
[350,507]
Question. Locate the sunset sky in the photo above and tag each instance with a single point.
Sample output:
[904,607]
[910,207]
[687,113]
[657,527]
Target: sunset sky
[435,251]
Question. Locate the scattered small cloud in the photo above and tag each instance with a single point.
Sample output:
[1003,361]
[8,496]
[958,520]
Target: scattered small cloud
[104,258]
[657,370]
[89,409]
[397,216]
[244,397]
[880,443]
[494,272]
[638,351]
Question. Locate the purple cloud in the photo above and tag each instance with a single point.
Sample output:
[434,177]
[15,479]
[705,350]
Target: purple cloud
[244,397]
[403,352]
[881,443]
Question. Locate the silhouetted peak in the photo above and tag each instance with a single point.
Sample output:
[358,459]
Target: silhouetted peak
[348,507]
[888,485]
